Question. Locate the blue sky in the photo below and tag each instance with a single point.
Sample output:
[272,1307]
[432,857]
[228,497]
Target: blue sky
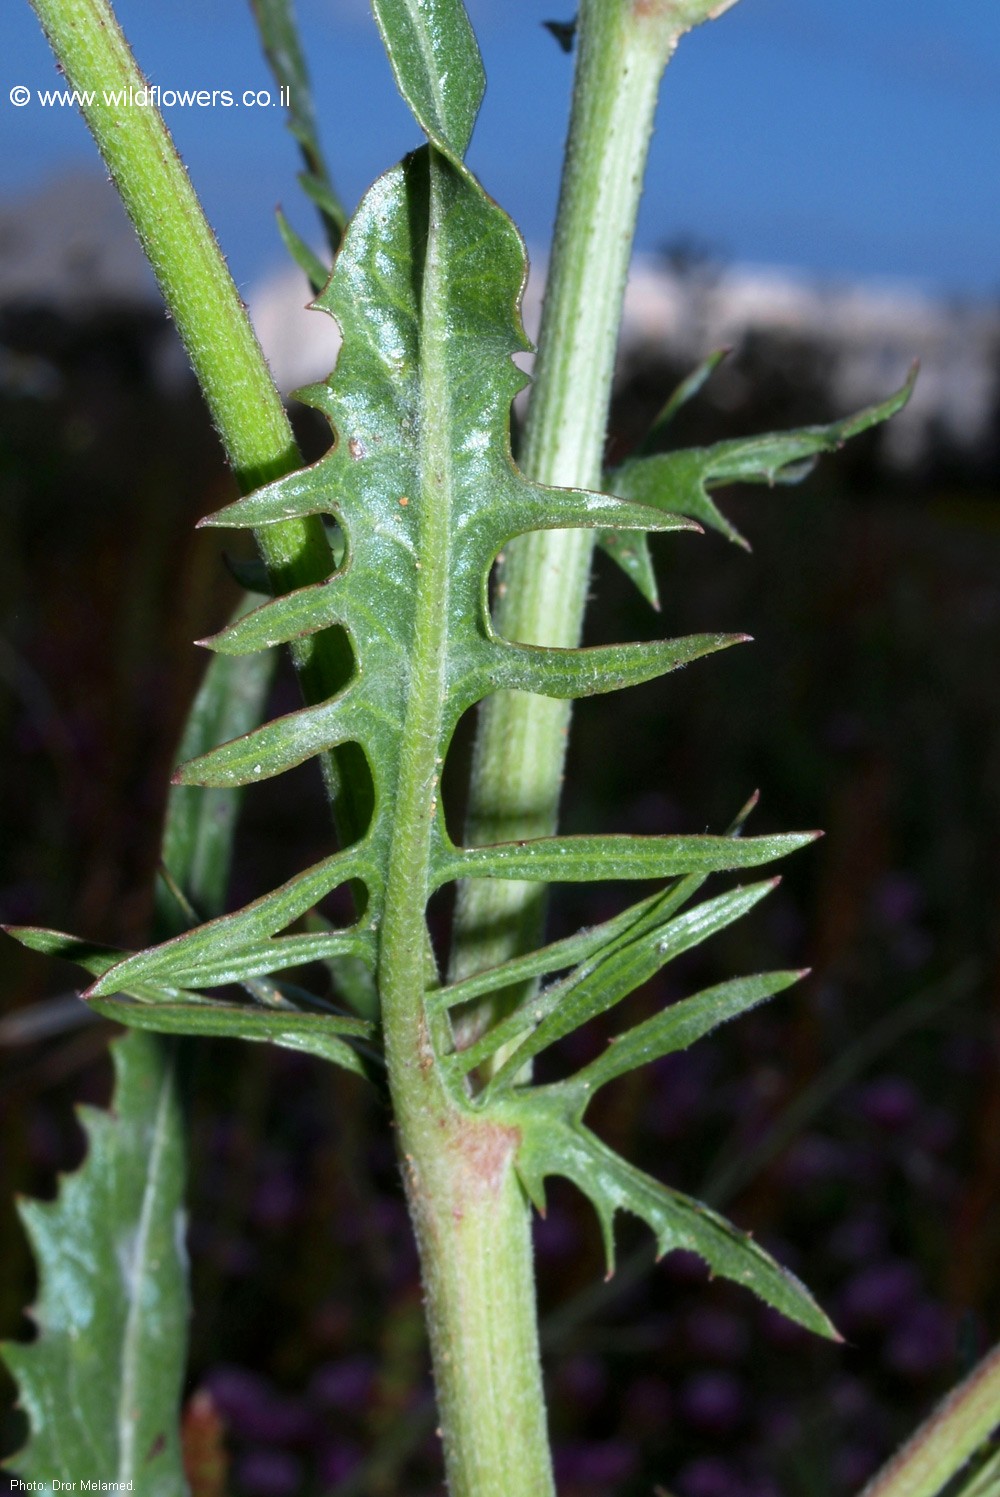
[853,138]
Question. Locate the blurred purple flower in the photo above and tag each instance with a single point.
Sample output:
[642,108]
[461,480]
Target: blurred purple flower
[858,1238]
[890,1102]
[598,1463]
[716,1335]
[251,1407]
[714,1403]
[268,1473]
[709,1477]
[584,1381]
[337,1462]
[878,1295]
[345,1384]
[923,1342]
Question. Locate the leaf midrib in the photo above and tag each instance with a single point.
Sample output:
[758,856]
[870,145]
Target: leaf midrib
[408,874]
[133,1356]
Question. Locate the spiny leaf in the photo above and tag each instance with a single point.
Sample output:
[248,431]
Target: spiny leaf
[555,1142]
[600,668]
[172,1008]
[551,958]
[438,69]
[583,951]
[631,552]
[101,1384]
[593,988]
[384,489]
[422,485]
[679,482]
[311,1034]
[224,939]
[94,959]
[581,859]
[679,1026]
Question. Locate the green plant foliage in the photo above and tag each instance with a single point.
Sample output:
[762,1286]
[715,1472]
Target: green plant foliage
[279,35]
[681,482]
[423,487]
[101,1383]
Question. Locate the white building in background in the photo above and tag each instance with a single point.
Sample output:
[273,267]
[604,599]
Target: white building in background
[870,333]
[67,246]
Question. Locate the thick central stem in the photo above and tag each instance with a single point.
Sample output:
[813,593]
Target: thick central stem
[469,1212]
[521,741]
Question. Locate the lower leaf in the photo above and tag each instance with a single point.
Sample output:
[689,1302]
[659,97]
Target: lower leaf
[555,1142]
[101,1384]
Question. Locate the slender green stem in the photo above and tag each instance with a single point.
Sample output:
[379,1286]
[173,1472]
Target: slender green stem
[471,1216]
[956,1429]
[467,1206]
[622,49]
[210,318]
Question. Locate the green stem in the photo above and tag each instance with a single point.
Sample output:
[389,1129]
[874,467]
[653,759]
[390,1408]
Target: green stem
[956,1429]
[210,318]
[622,49]
[467,1206]
[471,1217]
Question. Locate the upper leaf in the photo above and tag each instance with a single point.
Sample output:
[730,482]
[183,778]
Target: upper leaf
[439,72]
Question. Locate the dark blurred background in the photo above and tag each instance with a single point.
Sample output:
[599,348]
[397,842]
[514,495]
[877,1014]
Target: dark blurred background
[853,1124]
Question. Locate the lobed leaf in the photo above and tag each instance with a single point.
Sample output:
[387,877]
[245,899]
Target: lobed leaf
[592,989]
[422,486]
[631,553]
[680,482]
[555,1142]
[101,1383]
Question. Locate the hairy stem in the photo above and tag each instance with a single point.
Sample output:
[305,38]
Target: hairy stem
[956,1429]
[467,1206]
[212,322]
[622,49]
